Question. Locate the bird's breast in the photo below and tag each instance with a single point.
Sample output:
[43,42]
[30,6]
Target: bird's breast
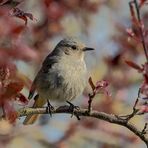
[65,80]
[73,73]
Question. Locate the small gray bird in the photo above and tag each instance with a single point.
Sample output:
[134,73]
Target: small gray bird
[62,76]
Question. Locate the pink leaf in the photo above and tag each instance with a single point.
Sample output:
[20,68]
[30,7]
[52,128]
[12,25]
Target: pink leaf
[133,65]
[142,2]
[143,109]
[102,86]
[22,99]
[10,112]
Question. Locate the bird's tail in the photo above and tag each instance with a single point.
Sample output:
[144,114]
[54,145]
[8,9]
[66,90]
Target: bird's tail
[30,119]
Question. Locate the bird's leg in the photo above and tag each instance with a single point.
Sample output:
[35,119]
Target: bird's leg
[49,108]
[72,108]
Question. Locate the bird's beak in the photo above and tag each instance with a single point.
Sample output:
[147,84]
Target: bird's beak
[87,49]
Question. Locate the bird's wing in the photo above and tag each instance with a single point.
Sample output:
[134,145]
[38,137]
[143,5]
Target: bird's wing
[32,90]
[46,66]
[48,62]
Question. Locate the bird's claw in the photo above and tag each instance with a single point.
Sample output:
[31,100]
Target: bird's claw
[72,108]
[49,108]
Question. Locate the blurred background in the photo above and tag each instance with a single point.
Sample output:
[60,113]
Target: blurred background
[29,31]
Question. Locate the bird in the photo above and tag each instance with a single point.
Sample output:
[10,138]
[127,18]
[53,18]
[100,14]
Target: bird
[62,76]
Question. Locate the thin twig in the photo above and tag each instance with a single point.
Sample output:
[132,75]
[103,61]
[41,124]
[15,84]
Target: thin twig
[90,102]
[92,95]
[141,28]
[144,129]
[134,112]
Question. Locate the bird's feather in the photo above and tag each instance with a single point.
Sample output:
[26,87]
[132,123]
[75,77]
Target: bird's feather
[30,119]
[32,90]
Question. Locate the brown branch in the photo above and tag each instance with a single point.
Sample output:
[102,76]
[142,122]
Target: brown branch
[95,114]
[92,95]
[90,103]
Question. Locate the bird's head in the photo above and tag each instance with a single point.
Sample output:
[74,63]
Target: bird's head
[72,47]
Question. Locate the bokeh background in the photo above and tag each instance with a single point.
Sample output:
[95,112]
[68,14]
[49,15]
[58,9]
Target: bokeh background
[100,24]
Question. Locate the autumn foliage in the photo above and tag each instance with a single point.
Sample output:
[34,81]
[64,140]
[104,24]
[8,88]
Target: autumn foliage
[24,37]
[14,47]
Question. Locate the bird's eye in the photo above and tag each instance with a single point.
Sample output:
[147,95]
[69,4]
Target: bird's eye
[74,47]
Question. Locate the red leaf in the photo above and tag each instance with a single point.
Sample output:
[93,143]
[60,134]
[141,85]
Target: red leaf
[146,78]
[91,83]
[133,65]
[47,2]
[4,73]
[102,86]
[143,109]
[18,52]
[17,30]
[10,112]
[142,2]
[12,116]
[114,61]
[12,89]
[21,98]
[145,71]
[9,2]
[55,10]
[132,34]
[144,87]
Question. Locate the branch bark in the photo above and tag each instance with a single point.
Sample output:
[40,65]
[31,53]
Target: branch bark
[84,112]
